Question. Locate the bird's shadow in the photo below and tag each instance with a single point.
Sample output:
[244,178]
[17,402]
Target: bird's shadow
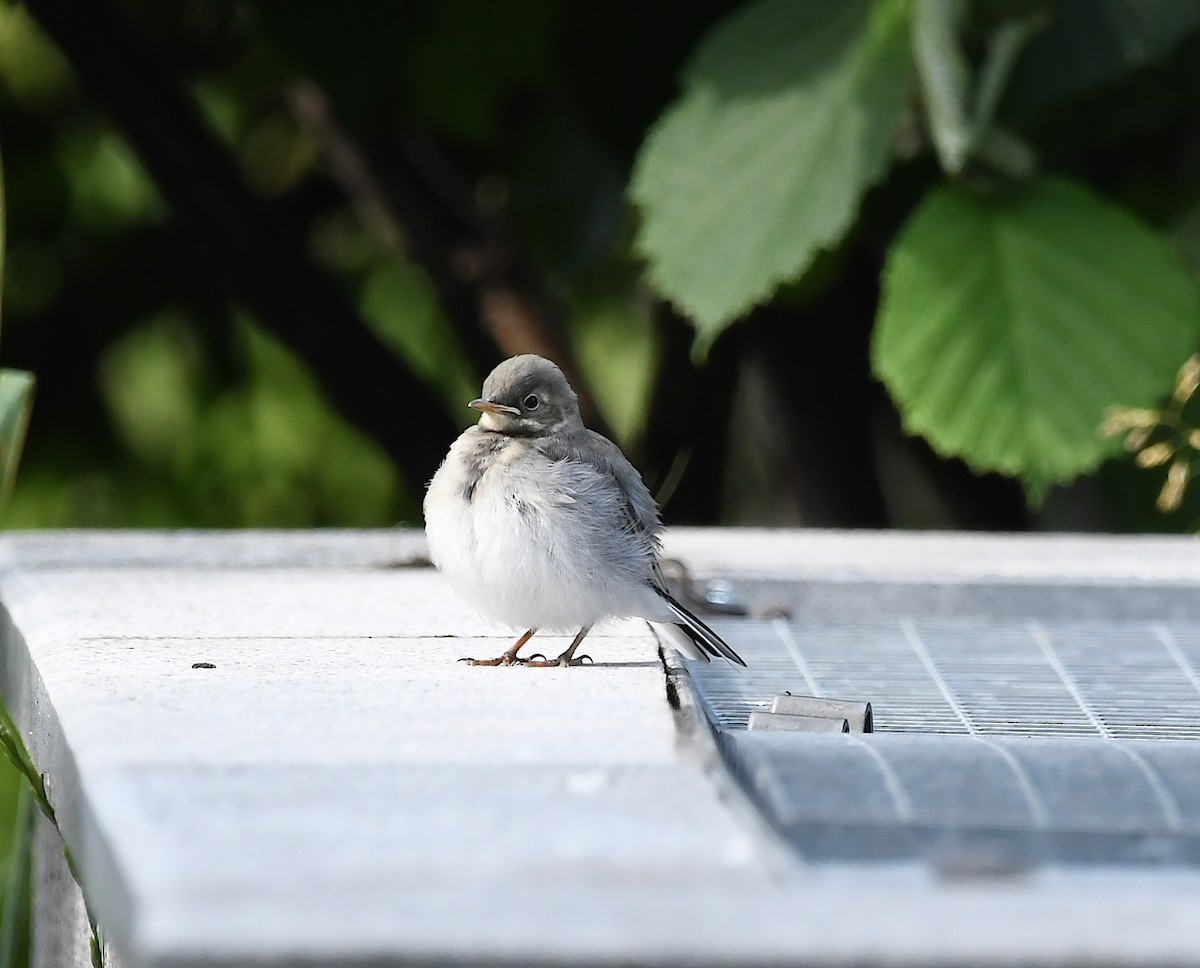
[640,664]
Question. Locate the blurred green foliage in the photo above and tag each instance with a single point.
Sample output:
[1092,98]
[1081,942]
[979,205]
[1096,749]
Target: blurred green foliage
[473,179]
[1015,309]
[183,411]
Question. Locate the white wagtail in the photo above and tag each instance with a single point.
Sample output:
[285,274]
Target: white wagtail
[543,524]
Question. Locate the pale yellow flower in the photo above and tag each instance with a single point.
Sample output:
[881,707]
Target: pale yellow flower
[1188,379]
[1155,455]
[1120,419]
[1171,496]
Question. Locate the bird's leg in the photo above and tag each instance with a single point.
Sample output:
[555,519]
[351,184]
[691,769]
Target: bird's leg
[508,657]
[568,658]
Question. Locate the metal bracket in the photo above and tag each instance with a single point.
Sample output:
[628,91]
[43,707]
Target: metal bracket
[812,714]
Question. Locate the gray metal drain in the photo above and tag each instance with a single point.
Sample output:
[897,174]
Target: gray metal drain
[1028,740]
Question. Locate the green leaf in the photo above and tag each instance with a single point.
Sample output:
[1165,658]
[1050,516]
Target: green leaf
[16,402]
[786,119]
[1008,325]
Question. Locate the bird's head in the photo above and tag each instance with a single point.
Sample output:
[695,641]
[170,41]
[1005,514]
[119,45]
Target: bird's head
[527,396]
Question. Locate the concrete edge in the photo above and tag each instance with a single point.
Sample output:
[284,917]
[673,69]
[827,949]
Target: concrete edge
[33,712]
[697,741]
[795,553]
[839,556]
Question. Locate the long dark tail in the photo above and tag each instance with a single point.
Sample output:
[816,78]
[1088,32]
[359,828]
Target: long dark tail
[704,638]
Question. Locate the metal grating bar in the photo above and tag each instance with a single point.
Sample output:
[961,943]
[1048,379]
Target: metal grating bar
[1166,802]
[1172,647]
[891,781]
[910,633]
[784,631]
[1002,679]
[1037,806]
[1039,636]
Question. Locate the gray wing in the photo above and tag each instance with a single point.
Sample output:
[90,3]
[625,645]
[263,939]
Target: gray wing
[604,458]
[622,516]
[602,465]
[635,503]
[639,503]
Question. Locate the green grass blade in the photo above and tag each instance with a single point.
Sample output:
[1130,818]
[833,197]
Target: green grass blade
[13,747]
[14,916]
[3,233]
[16,403]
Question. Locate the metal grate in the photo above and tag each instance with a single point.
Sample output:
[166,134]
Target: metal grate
[1134,680]
[1031,741]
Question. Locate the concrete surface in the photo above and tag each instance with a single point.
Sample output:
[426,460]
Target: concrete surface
[339,791]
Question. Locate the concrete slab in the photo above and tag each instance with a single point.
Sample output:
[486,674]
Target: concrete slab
[336,758]
[336,790]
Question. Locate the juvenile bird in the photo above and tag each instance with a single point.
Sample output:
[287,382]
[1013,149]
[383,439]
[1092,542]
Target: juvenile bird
[543,524]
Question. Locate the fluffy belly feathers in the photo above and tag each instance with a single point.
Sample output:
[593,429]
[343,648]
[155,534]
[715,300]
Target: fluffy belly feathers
[511,558]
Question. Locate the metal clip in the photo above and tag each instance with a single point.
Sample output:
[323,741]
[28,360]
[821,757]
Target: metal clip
[786,722]
[811,714]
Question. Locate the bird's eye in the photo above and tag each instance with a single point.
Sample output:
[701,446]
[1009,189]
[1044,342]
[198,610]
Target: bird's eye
[531,402]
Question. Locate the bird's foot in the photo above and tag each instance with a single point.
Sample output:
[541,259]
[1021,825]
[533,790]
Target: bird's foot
[562,662]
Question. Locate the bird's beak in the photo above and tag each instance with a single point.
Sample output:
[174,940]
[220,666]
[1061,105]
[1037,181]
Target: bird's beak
[488,407]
